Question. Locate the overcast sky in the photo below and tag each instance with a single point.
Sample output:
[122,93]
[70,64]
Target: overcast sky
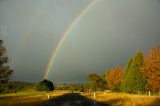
[108,34]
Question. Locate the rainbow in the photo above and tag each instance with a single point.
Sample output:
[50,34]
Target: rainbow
[63,37]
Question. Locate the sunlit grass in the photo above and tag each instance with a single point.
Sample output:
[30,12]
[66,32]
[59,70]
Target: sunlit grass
[119,99]
[31,98]
[27,98]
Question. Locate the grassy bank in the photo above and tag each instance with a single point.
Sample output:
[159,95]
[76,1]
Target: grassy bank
[119,99]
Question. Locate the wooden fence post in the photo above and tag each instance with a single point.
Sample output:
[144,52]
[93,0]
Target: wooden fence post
[94,95]
[48,95]
[149,93]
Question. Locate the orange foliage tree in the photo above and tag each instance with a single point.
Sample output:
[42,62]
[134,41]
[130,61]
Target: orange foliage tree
[151,68]
[113,78]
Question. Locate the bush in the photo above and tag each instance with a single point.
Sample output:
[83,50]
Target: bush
[45,85]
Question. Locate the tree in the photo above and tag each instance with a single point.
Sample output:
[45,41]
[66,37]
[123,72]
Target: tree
[97,82]
[45,85]
[132,80]
[113,78]
[5,71]
[124,86]
[151,68]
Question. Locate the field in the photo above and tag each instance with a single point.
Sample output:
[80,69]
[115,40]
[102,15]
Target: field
[33,98]
[117,99]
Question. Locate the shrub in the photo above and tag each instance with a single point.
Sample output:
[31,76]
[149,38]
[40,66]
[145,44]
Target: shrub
[45,85]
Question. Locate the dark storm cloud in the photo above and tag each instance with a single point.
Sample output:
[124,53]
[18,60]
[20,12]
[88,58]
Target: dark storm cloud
[107,35]
[30,29]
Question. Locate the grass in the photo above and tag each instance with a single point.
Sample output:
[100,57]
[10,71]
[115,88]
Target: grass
[119,99]
[31,98]
[27,98]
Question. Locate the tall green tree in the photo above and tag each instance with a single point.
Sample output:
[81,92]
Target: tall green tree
[124,79]
[132,80]
[5,71]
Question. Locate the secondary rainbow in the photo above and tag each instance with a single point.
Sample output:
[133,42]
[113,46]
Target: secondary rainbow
[63,37]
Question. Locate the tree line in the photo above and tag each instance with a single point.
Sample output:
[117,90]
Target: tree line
[140,74]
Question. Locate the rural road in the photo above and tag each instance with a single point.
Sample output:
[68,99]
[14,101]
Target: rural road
[71,99]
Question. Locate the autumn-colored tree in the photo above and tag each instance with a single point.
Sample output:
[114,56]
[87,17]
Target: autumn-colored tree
[132,80]
[151,68]
[113,78]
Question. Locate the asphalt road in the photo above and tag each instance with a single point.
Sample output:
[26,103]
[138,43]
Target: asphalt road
[72,99]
